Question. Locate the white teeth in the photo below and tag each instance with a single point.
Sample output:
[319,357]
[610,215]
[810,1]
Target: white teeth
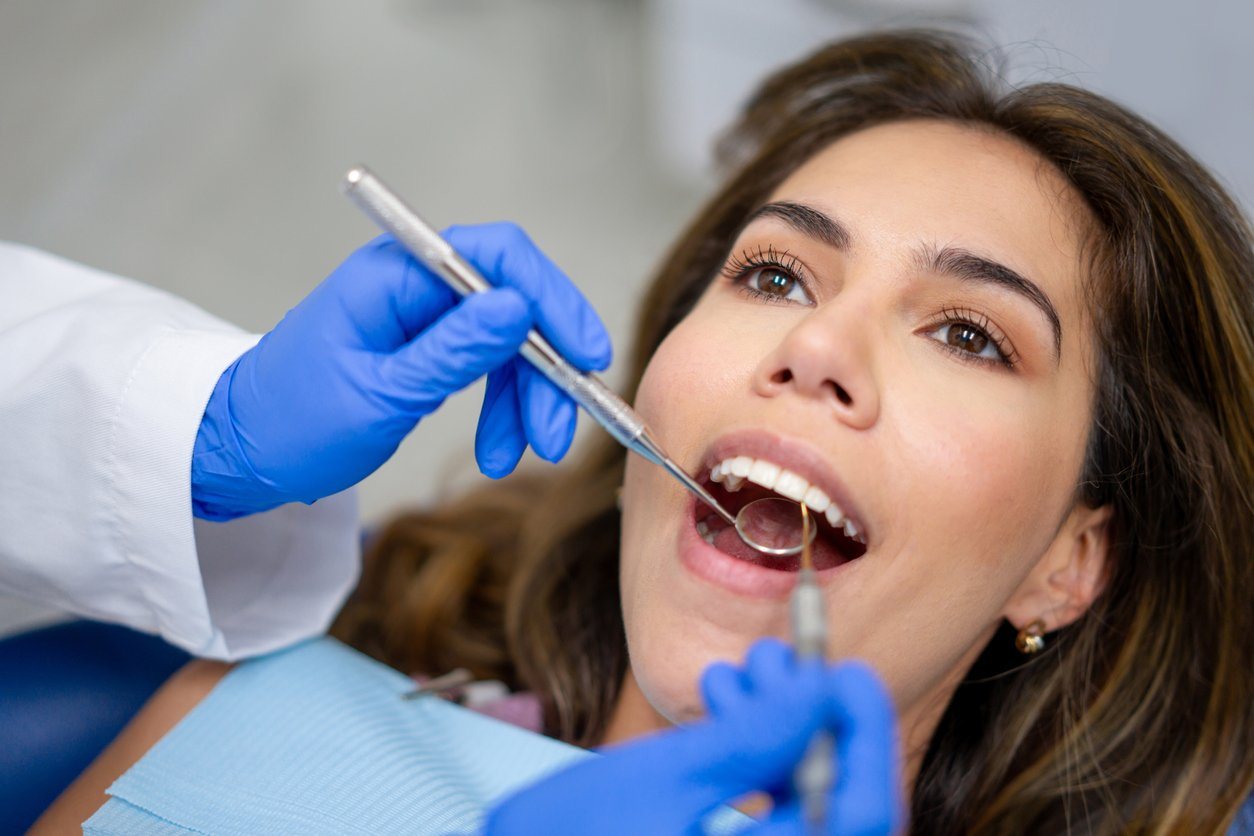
[791,485]
[817,500]
[733,472]
[852,532]
[704,531]
[764,474]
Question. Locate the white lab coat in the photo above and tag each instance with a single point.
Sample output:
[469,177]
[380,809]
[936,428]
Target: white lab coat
[102,385]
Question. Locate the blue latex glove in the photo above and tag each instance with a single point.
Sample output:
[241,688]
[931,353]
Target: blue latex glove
[325,398]
[761,719]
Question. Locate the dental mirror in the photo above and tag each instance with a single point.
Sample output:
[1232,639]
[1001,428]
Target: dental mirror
[774,526]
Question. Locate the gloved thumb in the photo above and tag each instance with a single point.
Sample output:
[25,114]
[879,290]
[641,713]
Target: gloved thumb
[475,337]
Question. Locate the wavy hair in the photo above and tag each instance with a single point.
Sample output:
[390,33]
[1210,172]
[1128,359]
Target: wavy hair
[1137,718]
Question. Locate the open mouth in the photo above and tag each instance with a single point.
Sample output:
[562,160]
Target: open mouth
[739,480]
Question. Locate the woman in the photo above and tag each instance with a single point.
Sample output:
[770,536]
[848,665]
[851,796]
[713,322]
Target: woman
[1009,336]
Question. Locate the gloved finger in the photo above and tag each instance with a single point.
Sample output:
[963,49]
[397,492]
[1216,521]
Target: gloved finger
[548,413]
[779,823]
[769,662]
[684,772]
[499,439]
[507,258]
[382,295]
[791,821]
[664,768]
[723,686]
[866,795]
[769,718]
[477,336]
[787,816]
[865,798]
[788,701]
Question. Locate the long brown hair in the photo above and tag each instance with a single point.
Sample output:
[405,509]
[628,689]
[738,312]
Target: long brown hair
[1137,718]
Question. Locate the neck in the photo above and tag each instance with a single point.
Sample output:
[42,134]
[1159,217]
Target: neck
[917,725]
[917,721]
[633,715]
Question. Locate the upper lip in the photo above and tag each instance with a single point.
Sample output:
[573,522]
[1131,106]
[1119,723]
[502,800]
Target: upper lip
[792,454]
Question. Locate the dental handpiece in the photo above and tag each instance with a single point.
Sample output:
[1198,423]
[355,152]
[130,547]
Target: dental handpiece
[387,210]
[813,777]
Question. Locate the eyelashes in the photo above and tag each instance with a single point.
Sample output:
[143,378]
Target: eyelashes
[977,330]
[787,276]
[963,332]
[738,266]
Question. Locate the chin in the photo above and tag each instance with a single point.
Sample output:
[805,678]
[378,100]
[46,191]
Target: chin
[678,636]
[673,690]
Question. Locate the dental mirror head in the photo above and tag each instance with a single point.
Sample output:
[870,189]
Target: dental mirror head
[775,526]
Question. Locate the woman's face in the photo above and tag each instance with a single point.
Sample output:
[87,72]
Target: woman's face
[900,327]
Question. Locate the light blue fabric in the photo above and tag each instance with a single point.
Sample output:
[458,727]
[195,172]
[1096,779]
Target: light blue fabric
[1244,824]
[317,740]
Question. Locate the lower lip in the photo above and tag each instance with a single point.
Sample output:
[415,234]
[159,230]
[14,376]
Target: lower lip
[738,576]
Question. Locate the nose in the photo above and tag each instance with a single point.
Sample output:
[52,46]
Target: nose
[826,357]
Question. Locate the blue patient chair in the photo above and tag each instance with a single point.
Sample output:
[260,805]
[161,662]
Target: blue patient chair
[65,692]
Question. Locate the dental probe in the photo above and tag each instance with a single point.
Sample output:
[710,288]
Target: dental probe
[588,390]
[814,775]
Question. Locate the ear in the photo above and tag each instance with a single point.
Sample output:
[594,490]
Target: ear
[1069,575]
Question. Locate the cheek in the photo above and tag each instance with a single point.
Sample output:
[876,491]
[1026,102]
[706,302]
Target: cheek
[964,483]
[981,512]
[692,368]
[990,473]
[983,483]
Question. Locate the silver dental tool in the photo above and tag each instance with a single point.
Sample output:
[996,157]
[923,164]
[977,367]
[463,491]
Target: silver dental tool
[451,681]
[387,210]
[813,777]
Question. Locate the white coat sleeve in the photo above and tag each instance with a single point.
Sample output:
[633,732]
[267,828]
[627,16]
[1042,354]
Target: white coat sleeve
[102,387]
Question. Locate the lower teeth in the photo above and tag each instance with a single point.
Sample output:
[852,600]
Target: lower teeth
[703,529]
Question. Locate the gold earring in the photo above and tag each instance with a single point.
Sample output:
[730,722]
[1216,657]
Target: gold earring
[618,497]
[1030,641]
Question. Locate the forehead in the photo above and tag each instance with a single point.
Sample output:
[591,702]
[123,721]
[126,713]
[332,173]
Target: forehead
[934,164]
[937,184]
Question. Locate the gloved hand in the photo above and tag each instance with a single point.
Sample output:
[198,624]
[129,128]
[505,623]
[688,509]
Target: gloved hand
[761,719]
[325,398]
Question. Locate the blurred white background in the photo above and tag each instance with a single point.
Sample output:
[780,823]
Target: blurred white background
[197,146]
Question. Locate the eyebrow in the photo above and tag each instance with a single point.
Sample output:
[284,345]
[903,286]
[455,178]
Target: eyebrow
[807,220]
[950,261]
[967,266]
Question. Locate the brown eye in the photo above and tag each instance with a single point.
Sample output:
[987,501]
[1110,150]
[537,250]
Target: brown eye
[967,338]
[774,282]
[970,335]
[769,275]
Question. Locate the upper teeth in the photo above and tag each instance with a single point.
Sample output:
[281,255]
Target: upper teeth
[733,472]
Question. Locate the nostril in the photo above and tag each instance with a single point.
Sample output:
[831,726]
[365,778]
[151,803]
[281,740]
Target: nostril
[782,376]
[785,376]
